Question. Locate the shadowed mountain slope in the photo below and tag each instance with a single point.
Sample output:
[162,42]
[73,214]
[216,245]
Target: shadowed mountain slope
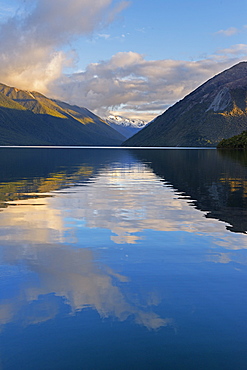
[214,111]
[30,118]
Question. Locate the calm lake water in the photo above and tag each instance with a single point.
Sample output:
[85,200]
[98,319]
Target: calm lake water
[123,259]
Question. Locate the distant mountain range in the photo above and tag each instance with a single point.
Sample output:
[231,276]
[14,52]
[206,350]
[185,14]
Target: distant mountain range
[214,111]
[30,118]
[126,126]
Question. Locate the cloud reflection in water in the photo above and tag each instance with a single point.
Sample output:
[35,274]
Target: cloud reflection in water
[73,275]
[124,200]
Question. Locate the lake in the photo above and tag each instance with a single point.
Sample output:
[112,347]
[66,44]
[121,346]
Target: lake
[123,258]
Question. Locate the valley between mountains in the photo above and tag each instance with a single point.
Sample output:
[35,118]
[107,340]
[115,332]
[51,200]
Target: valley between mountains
[216,110]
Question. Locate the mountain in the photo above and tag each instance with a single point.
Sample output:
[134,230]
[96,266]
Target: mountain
[214,111]
[30,118]
[127,127]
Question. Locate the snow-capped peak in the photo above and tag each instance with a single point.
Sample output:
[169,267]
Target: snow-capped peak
[127,122]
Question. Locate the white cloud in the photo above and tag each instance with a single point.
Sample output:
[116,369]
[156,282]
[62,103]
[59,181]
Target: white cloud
[104,36]
[228,32]
[30,39]
[6,10]
[32,57]
[129,83]
[235,50]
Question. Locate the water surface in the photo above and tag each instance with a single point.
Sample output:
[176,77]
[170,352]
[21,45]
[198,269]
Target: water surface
[123,258]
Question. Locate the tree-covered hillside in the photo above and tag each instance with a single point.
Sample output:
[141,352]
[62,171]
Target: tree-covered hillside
[235,142]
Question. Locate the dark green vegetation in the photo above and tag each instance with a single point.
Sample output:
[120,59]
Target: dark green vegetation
[235,142]
[214,111]
[30,118]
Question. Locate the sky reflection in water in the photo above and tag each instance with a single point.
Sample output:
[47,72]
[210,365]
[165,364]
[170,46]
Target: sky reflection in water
[110,234]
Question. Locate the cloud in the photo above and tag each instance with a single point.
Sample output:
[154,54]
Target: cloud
[228,32]
[6,11]
[104,36]
[128,82]
[31,40]
[33,57]
[118,9]
[235,50]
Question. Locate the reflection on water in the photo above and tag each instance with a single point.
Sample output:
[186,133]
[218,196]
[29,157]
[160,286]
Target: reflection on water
[216,180]
[70,274]
[152,239]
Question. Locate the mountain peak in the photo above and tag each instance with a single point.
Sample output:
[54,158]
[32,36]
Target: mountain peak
[126,126]
[215,110]
[30,118]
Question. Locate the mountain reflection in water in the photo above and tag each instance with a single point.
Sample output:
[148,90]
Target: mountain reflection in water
[134,235]
[215,180]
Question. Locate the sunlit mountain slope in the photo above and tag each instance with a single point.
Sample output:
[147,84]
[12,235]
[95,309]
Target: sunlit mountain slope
[30,118]
[214,111]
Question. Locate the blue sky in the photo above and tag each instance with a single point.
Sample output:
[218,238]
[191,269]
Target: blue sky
[159,29]
[132,57]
